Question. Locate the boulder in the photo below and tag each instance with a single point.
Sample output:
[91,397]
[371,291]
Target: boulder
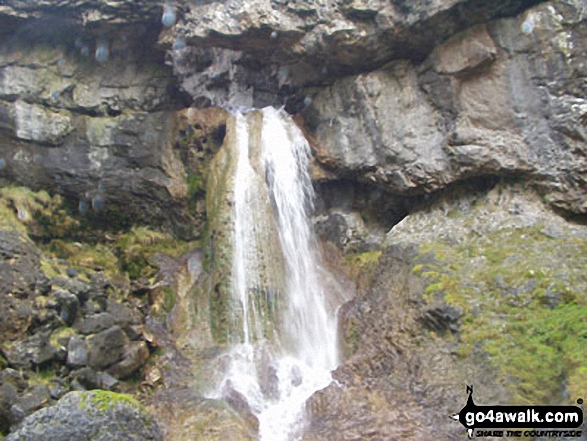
[31,400]
[124,315]
[77,352]
[106,347]
[92,416]
[95,323]
[86,377]
[68,306]
[31,352]
[136,354]
[238,402]
[8,394]
[77,287]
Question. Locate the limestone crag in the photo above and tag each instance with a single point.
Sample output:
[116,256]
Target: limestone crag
[91,12]
[466,92]
[498,99]
[103,132]
[280,46]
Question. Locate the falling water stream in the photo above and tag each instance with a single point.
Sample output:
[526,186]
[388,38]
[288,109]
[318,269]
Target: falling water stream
[287,346]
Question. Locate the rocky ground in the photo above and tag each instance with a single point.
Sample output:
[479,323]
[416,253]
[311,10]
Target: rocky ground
[449,138]
[477,286]
[77,316]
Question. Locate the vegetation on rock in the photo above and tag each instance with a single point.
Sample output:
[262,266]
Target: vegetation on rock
[529,312]
[104,400]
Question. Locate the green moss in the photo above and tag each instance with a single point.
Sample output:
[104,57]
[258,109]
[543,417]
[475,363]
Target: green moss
[434,287]
[49,268]
[142,236]
[34,213]
[367,259]
[430,274]
[196,186]
[351,337]
[217,249]
[85,256]
[104,400]
[170,297]
[363,265]
[159,352]
[60,335]
[506,287]
[42,376]
[543,347]
[135,248]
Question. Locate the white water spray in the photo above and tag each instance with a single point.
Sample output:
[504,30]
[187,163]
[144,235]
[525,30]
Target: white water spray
[273,197]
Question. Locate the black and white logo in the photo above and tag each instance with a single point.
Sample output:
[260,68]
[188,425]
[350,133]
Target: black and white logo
[496,420]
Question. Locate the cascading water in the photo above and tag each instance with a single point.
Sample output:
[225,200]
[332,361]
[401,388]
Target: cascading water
[287,346]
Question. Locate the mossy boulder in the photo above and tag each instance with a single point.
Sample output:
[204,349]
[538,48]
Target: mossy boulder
[92,416]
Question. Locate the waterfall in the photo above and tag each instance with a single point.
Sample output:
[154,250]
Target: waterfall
[286,346]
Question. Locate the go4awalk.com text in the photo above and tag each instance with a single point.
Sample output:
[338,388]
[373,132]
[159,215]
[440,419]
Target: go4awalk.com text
[520,421]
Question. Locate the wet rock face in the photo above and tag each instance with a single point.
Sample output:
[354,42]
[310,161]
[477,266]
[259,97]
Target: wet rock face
[192,417]
[397,374]
[387,113]
[356,216]
[497,99]
[90,114]
[91,12]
